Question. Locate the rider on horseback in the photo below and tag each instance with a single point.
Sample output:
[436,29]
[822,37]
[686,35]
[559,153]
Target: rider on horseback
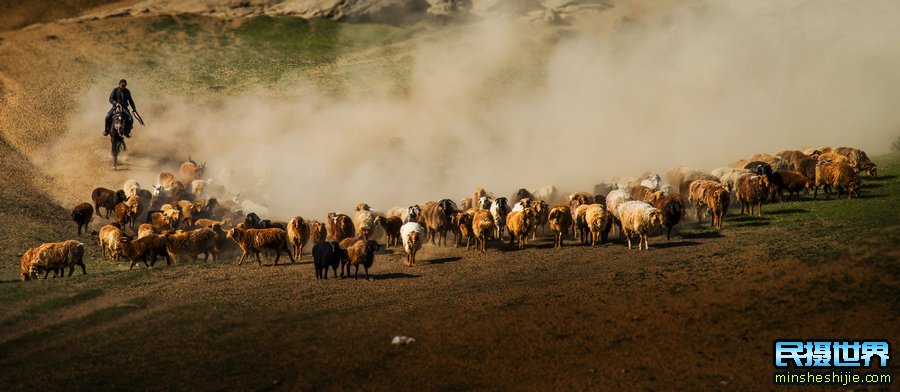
[120,97]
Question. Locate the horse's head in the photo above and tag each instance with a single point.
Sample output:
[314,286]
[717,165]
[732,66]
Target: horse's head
[119,123]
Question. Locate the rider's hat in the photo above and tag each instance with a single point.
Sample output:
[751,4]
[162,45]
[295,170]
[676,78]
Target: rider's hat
[123,81]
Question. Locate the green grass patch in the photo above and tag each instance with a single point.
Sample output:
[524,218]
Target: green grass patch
[63,301]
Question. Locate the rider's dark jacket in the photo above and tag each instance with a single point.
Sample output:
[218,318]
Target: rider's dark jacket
[122,97]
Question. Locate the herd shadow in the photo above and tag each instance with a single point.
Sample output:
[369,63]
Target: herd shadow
[444,260]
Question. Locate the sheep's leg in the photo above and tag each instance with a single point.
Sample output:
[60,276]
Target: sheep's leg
[277,255]
[241,259]
[367,271]
[628,238]
[356,276]
[83,270]
[131,267]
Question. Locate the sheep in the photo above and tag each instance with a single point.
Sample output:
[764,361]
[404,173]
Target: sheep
[727,176]
[272,224]
[484,203]
[548,193]
[651,182]
[639,218]
[595,218]
[858,159]
[364,223]
[109,240]
[327,254]
[837,175]
[179,192]
[81,215]
[672,208]
[191,171]
[717,200]
[391,226]
[298,235]
[192,243]
[363,207]
[358,251]
[164,220]
[522,193]
[412,234]
[580,223]
[560,219]
[684,186]
[208,223]
[499,210]
[340,226]
[697,195]
[106,198]
[476,197]
[256,240]
[752,190]
[252,221]
[438,220]
[542,212]
[53,257]
[28,268]
[463,221]
[483,227]
[613,200]
[641,192]
[145,229]
[164,181]
[142,248]
[603,188]
[519,223]
[131,188]
[521,205]
[579,198]
[833,157]
[317,232]
[198,186]
[792,181]
[127,214]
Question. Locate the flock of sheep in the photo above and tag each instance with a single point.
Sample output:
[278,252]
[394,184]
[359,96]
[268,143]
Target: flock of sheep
[180,219]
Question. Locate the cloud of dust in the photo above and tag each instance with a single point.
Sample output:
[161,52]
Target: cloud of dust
[702,85]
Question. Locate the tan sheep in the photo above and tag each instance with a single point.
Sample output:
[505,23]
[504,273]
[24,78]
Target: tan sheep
[560,219]
[298,235]
[257,240]
[483,227]
[519,224]
[595,217]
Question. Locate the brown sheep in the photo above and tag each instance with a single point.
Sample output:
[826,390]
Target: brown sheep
[209,223]
[671,207]
[142,248]
[163,222]
[752,190]
[641,193]
[807,168]
[256,240]
[391,226]
[578,199]
[55,256]
[697,195]
[106,198]
[318,232]
[340,226]
[858,159]
[82,215]
[166,180]
[192,244]
[145,229]
[463,221]
[837,175]
[28,269]
[438,220]
[298,235]
[358,251]
[791,181]
[191,171]
[595,218]
[127,214]
[684,188]
[109,240]
[560,219]
[717,200]
[519,224]
[188,211]
[541,216]
[580,223]
[483,227]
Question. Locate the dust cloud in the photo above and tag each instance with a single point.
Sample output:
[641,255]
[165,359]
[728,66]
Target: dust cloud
[701,84]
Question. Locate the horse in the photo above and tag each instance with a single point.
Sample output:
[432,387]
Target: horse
[117,134]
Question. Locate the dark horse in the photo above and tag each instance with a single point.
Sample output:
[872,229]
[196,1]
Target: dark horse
[117,134]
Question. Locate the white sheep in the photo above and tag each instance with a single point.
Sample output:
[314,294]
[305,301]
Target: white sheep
[652,182]
[197,186]
[484,203]
[412,243]
[727,176]
[131,188]
[365,223]
[639,218]
[248,206]
[499,210]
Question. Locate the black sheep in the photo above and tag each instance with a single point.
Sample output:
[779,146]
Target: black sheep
[326,254]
